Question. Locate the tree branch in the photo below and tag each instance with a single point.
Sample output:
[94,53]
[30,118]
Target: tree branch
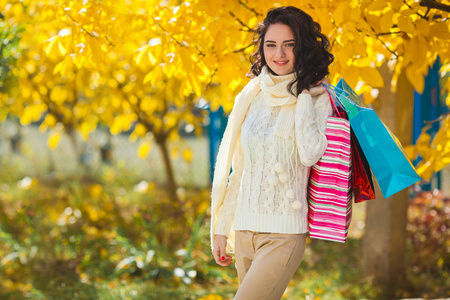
[89,33]
[240,22]
[178,42]
[440,118]
[378,38]
[242,49]
[435,4]
[388,33]
[250,9]
[417,13]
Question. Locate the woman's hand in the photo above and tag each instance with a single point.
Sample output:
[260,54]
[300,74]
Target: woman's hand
[317,89]
[219,251]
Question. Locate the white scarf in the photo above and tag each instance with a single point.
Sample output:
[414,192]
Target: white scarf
[284,127]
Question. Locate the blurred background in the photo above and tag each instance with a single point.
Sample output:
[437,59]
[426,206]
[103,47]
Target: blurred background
[111,116]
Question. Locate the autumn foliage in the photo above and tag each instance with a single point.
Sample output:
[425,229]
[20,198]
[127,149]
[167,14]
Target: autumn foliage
[147,64]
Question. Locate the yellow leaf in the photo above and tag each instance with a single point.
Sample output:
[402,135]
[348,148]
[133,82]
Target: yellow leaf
[185,57]
[423,145]
[253,22]
[440,30]
[372,77]
[442,161]
[95,48]
[144,149]
[411,152]
[51,49]
[396,4]
[441,145]
[122,123]
[152,59]
[32,113]
[155,76]
[194,84]
[61,48]
[407,49]
[63,66]
[406,24]
[139,54]
[387,21]
[377,5]
[59,95]
[425,169]
[148,77]
[78,60]
[355,14]
[368,97]
[140,130]
[339,12]
[187,155]
[374,21]
[54,140]
[416,79]
[50,121]
[423,27]
[88,126]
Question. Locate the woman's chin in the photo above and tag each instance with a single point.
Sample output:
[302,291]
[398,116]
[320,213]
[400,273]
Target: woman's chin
[282,70]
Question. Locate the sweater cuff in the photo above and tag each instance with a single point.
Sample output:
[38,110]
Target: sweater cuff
[223,226]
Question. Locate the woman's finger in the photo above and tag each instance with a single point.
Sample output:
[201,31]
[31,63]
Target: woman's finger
[219,251]
[315,91]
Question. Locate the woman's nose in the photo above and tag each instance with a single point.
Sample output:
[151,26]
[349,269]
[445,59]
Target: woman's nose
[280,51]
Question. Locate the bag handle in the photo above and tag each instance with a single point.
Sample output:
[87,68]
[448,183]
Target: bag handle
[343,94]
[333,105]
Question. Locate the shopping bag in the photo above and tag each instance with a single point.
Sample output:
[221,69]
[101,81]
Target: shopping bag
[330,184]
[362,181]
[383,151]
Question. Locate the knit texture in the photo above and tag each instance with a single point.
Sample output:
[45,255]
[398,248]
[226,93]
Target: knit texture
[267,189]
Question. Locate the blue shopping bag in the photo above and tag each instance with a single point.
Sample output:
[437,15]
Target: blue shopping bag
[385,155]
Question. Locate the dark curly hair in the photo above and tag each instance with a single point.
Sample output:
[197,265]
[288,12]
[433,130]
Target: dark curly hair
[311,48]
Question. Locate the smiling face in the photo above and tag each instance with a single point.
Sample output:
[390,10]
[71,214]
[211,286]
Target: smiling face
[279,43]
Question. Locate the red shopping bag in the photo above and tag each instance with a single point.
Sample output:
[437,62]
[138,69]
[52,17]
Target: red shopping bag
[361,173]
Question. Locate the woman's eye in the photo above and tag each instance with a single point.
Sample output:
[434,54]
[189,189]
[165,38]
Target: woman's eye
[270,45]
[290,45]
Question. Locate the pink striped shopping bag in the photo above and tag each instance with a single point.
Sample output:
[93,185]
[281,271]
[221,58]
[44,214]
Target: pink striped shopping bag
[330,184]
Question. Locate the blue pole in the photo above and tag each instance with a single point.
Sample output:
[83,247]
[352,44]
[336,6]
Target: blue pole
[216,129]
[428,107]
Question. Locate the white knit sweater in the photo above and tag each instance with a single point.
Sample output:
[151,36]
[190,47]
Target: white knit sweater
[266,166]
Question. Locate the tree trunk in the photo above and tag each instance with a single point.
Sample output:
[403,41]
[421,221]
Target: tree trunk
[171,184]
[384,242]
[73,141]
[77,149]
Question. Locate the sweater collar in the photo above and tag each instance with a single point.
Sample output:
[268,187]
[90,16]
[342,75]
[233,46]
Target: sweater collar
[275,85]
[274,88]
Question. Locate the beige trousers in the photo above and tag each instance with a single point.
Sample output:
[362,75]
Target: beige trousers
[266,262]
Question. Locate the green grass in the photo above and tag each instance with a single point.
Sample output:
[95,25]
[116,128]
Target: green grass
[84,237]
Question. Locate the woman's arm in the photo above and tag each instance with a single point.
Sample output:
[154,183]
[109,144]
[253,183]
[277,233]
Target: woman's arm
[310,131]
[225,215]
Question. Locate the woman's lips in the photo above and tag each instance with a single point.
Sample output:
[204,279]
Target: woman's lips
[281,62]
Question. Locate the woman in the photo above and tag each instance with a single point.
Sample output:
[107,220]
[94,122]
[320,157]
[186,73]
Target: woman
[273,137]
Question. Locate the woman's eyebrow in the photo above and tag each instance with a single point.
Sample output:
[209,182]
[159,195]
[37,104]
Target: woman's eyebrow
[268,41]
